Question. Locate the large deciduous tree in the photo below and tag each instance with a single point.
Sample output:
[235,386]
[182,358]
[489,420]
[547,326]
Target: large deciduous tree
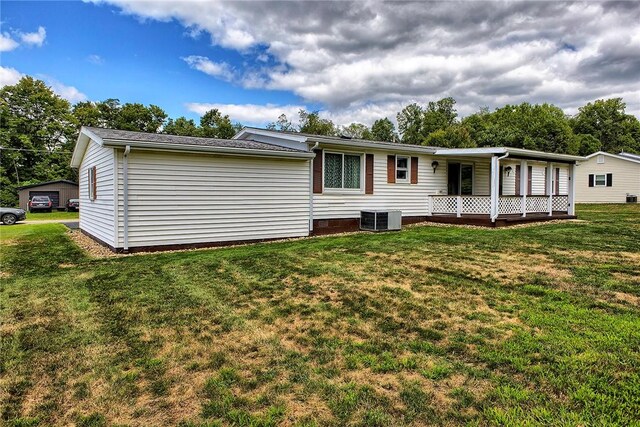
[181,126]
[37,133]
[310,122]
[410,121]
[607,121]
[215,125]
[383,130]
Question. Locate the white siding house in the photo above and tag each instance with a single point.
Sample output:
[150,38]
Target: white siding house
[608,178]
[143,191]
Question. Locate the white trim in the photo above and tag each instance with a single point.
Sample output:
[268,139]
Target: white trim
[514,152]
[265,132]
[595,179]
[406,180]
[615,156]
[343,190]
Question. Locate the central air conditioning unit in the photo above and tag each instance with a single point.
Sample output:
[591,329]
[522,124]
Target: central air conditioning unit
[380,220]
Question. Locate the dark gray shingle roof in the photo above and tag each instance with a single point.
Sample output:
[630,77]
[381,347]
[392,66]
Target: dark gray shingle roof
[126,135]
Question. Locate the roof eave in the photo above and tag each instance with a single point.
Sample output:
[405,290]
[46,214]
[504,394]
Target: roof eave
[191,148]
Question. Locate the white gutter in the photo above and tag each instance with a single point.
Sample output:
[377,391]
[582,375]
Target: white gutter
[203,148]
[125,195]
[311,188]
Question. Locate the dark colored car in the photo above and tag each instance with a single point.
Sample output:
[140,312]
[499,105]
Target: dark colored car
[10,216]
[40,203]
[73,205]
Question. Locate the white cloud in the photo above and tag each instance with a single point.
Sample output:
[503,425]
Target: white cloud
[7,43]
[69,93]
[36,38]
[9,76]
[249,114]
[221,70]
[353,57]
[95,59]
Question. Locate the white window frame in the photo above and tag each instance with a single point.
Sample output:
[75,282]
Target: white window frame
[600,159]
[342,189]
[595,180]
[92,182]
[408,169]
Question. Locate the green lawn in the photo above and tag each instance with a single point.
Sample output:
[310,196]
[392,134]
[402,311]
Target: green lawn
[431,325]
[41,216]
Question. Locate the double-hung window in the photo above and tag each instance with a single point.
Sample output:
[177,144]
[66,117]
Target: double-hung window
[601,180]
[342,171]
[402,169]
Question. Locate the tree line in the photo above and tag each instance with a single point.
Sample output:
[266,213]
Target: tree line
[38,129]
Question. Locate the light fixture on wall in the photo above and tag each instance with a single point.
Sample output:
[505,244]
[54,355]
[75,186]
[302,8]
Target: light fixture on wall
[508,170]
[434,165]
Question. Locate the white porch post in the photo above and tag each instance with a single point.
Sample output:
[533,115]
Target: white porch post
[459,206]
[549,188]
[524,185]
[429,205]
[495,183]
[572,189]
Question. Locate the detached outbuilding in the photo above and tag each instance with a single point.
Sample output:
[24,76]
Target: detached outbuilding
[608,178]
[141,191]
[58,191]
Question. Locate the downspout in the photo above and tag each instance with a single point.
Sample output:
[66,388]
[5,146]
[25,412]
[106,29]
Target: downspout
[125,196]
[496,201]
[311,187]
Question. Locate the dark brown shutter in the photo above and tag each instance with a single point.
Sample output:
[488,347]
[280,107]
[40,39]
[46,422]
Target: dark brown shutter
[391,169]
[590,180]
[317,172]
[414,170]
[95,183]
[557,181]
[368,174]
[529,173]
[609,180]
[518,180]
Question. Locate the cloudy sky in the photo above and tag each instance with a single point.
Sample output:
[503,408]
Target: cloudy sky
[354,61]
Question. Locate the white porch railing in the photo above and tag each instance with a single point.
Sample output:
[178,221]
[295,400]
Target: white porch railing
[507,205]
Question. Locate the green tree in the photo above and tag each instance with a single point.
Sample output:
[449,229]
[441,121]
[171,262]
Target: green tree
[439,115]
[313,124]
[88,114]
[587,144]
[37,134]
[181,126]
[214,125]
[356,130]
[608,122]
[282,124]
[536,127]
[410,121]
[383,130]
[137,117]
[454,136]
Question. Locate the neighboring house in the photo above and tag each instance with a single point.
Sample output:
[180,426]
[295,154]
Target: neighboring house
[143,191]
[58,191]
[608,178]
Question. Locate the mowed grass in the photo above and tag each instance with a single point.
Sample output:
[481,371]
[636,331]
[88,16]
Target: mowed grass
[431,325]
[41,216]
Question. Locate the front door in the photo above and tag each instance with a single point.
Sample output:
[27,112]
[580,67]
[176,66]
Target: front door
[460,179]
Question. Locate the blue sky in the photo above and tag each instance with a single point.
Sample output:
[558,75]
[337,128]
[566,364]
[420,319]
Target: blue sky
[353,61]
[105,54]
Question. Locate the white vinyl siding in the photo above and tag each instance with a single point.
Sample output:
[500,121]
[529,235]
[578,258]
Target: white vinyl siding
[185,199]
[96,216]
[625,174]
[538,178]
[411,199]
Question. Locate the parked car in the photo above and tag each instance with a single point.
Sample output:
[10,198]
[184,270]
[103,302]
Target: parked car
[10,216]
[73,205]
[40,203]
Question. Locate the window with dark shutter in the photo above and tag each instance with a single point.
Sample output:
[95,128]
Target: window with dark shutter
[414,170]
[391,169]
[368,174]
[609,180]
[317,172]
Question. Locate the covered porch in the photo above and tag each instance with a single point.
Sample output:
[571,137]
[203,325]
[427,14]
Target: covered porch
[524,186]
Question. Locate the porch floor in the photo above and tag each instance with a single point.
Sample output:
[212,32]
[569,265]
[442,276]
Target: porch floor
[501,221]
